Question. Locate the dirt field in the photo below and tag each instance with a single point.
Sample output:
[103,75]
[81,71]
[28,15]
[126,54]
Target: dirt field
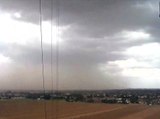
[63,110]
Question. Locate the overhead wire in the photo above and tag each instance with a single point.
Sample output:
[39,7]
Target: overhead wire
[57,57]
[52,43]
[159,9]
[42,57]
[57,54]
[52,82]
[57,50]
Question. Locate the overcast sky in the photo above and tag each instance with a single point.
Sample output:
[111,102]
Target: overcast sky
[103,44]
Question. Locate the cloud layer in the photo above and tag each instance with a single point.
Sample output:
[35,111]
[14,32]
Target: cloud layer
[102,44]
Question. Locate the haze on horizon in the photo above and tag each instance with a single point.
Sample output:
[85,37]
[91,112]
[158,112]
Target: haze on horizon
[103,44]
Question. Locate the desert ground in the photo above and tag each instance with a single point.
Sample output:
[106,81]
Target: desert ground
[26,109]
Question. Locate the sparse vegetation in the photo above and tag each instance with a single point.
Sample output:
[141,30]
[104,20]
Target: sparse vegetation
[24,109]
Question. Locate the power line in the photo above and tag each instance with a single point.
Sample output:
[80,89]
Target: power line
[57,58]
[57,49]
[159,8]
[52,52]
[52,43]
[42,56]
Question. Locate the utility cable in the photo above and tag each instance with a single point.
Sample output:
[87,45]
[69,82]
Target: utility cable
[57,59]
[42,57]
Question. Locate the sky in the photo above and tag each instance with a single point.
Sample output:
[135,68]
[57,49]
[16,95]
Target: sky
[103,44]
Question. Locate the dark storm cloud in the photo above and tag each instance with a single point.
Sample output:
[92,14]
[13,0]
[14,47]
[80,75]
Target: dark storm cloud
[99,18]
[91,18]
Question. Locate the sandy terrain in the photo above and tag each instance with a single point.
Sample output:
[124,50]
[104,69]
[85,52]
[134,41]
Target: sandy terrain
[63,110]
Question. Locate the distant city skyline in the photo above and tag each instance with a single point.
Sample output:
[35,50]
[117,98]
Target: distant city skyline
[103,44]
